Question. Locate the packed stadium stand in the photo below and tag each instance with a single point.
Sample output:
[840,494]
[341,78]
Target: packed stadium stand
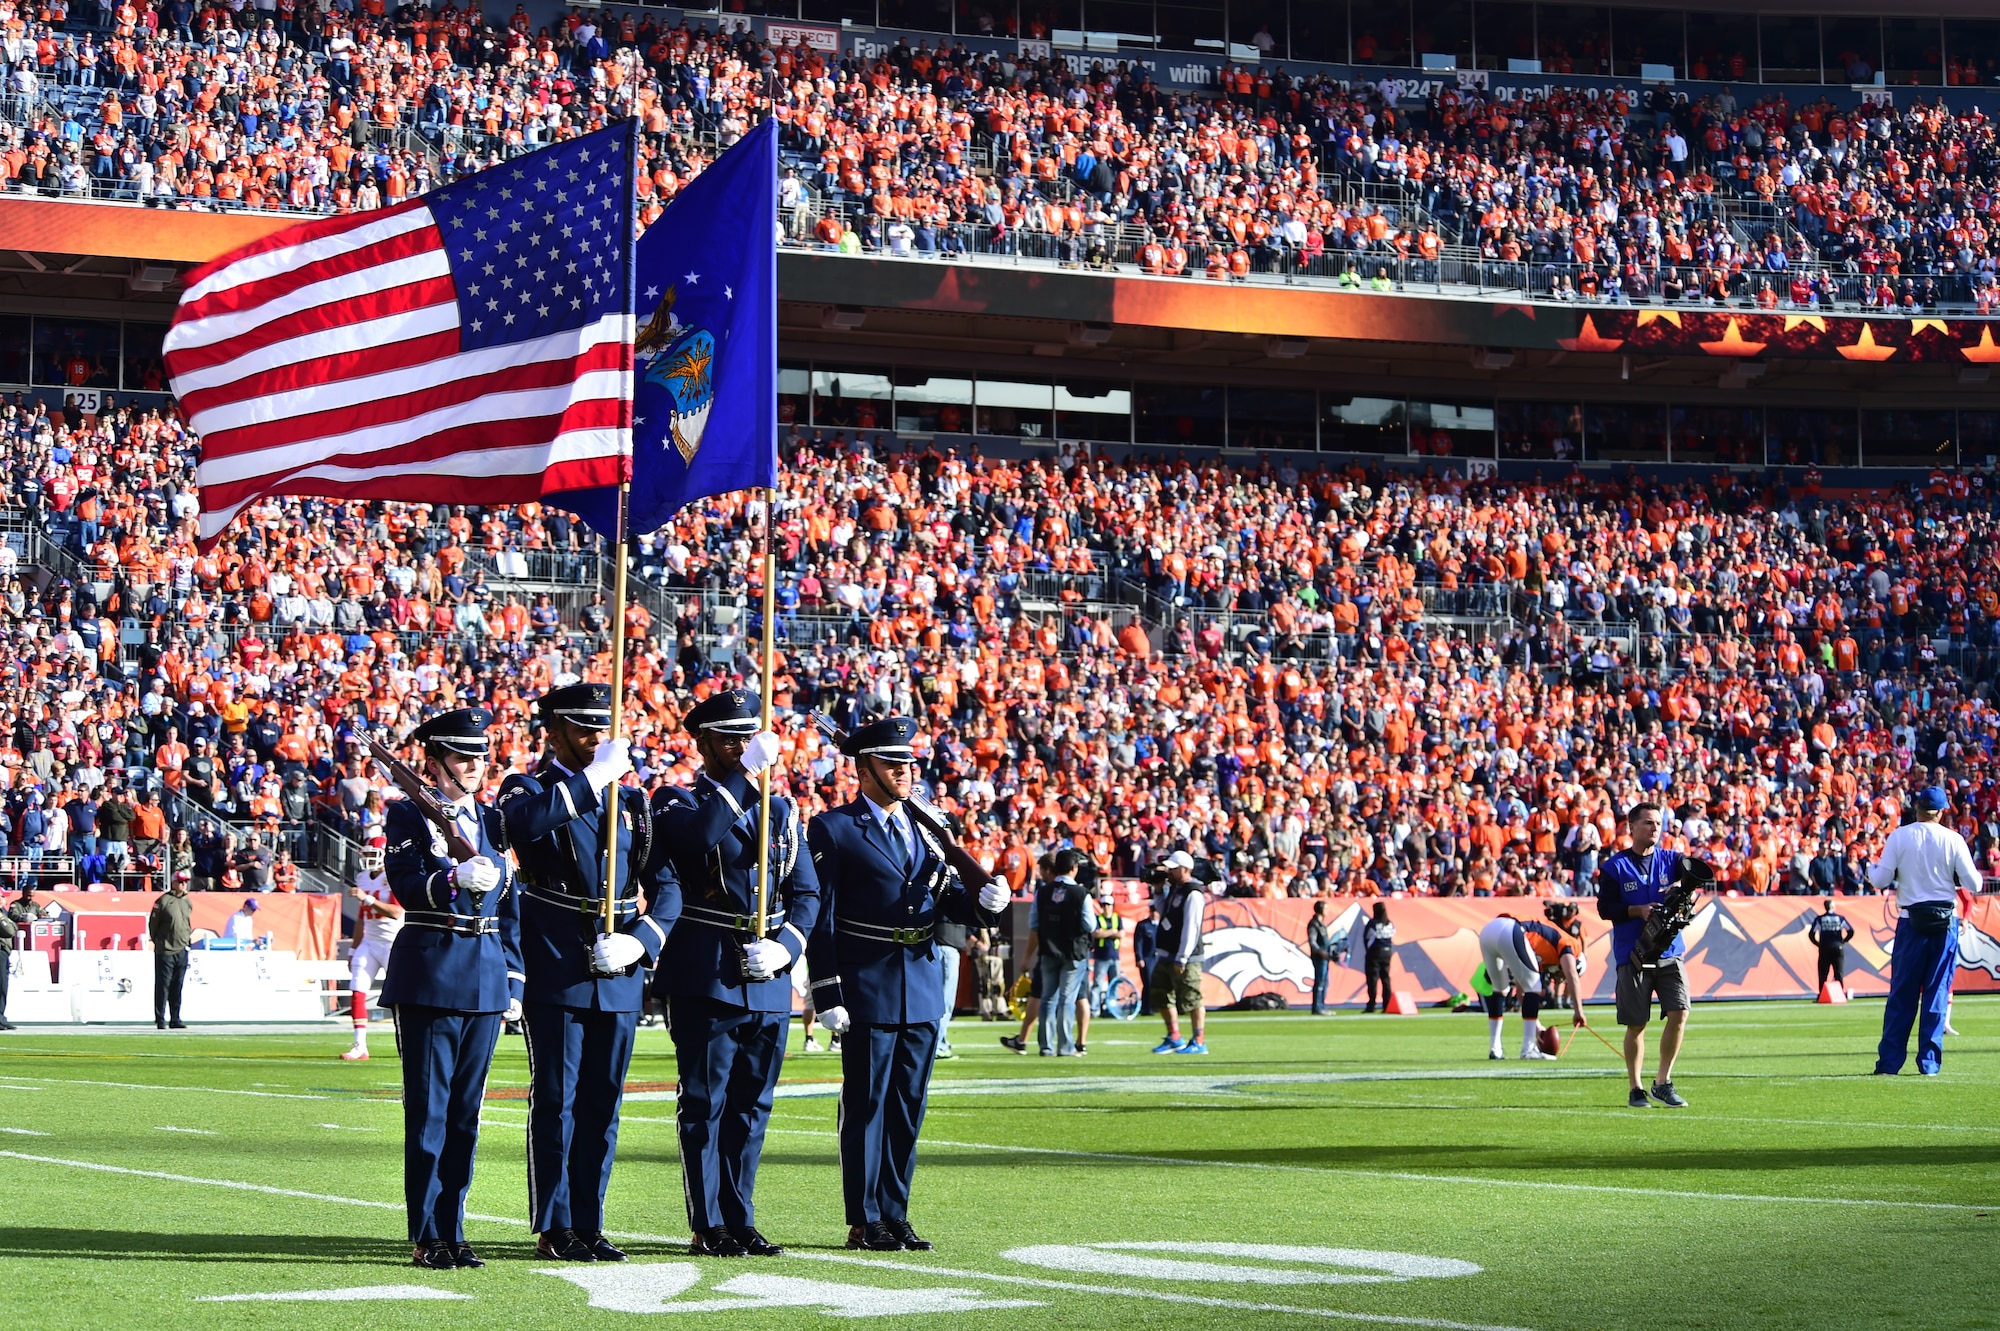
[1365,452]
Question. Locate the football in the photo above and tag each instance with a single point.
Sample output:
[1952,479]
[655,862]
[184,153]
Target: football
[1549,1041]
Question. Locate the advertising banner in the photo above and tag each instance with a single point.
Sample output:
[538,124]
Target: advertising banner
[1737,947]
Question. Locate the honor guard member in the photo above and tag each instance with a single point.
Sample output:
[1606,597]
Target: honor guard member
[580,1011]
[724,974]
[454,970]
[886,880]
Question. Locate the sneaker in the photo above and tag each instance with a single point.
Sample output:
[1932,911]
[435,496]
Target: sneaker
[947,1052]
[1167,1046]
[1196,1047]
[1664,1092]
[811,1045]
[1013,1042]
[833,1045]
[1537,1055]
[1080,1051]
[1947,1029]
[1493,1054]
[358,1053]
[1638,1100]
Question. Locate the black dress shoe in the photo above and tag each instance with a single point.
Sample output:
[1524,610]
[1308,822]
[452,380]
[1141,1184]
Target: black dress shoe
[754,1243]
[602,1248]
[716,1242]
[434,1255]
[178,1025]
[163,1025]
[463,1255]
[911,1240]
[563,1245]
[875,1237]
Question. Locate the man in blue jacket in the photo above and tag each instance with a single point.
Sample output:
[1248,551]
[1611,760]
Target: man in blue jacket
[725,973]
[453,972]
[580,1006]
[886,878]
[1630,885]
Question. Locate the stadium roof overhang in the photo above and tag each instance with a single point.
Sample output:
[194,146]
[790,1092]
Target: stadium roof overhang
[993,316]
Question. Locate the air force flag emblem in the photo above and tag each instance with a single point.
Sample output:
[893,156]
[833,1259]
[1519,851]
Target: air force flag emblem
[680,360]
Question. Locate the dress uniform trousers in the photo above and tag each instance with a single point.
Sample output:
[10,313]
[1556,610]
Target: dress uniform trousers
[577,1058]
[885,1073]
[729,1060]
[445,1059]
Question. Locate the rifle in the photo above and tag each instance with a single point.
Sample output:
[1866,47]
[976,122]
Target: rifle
[420,794]
[925,813]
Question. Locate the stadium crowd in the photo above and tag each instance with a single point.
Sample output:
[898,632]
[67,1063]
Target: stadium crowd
[1356,680]
[1627,194]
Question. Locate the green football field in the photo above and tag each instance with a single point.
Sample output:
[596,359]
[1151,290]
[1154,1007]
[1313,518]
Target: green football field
[1353,1170]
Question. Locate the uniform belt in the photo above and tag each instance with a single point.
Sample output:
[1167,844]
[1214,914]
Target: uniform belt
[581,905]
[882,933]
[722,919]
[466,926]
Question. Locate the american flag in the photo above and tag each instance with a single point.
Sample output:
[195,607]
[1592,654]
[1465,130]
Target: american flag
[472,346]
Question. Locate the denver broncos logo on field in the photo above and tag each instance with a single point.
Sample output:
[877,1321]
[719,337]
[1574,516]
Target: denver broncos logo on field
[1239,955]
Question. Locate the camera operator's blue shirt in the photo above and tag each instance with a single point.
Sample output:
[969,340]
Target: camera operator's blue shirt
[1625,880]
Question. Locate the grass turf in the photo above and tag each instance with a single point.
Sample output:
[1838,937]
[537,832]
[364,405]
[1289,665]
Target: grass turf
[148,1174]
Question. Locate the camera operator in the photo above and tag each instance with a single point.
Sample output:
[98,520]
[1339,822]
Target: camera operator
[1630,886]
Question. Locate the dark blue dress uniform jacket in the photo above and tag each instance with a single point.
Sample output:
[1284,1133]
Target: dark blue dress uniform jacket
[708,837]
[437,968]
[555,824]
[881,981]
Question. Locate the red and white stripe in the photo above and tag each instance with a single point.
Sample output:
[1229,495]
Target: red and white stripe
[325,360]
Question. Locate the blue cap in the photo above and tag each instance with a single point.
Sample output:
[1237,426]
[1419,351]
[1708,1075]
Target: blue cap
[728,712]
[461,730]
[1932,798]
[890,739]
[587,705]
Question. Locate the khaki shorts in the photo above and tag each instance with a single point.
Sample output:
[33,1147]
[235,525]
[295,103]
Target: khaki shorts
[1176,986]
[1637,989]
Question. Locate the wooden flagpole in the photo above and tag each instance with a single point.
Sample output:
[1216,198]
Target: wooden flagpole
[766,671]
[608,924]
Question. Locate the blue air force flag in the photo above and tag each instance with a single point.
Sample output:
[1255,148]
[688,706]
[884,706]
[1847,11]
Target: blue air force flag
[705,400]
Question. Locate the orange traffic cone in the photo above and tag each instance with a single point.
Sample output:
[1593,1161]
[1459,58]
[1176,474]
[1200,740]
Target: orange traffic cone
[1402,1004]
[1831,992]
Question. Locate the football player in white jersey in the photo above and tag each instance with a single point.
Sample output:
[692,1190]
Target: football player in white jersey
[377,921]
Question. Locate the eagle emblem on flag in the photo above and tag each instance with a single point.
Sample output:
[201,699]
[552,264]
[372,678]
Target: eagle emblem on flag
[680,359]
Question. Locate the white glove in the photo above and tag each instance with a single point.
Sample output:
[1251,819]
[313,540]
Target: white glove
[614,952]
[612,760]
[835,1020]
[993,897]
[513,1010]
[760,752]
[476,875]
[763,958]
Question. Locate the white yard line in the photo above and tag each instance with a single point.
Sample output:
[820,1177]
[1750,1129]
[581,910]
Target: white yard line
[1407,1176]
[142,1086]
[1164,1296]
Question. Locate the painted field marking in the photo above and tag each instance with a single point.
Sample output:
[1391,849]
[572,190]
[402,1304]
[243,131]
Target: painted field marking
[1159,1295]
[654,1287]
[342,1127]
[23,1132]
[353,1294]
[193,1132]
[1678,1118]
[1223,1083]
[141,1086]
[1118,1259]
[1411,1176]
